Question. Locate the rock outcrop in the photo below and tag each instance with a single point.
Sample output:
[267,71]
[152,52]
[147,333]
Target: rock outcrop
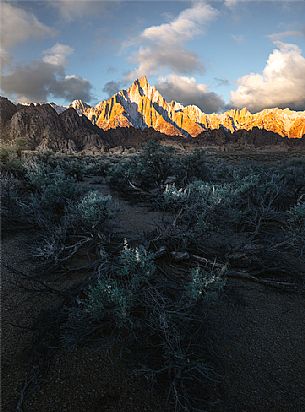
[7,110]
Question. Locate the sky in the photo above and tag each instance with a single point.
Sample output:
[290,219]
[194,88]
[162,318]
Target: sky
[215,54]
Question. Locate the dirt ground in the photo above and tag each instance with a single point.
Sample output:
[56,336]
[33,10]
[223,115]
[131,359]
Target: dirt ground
[255,337]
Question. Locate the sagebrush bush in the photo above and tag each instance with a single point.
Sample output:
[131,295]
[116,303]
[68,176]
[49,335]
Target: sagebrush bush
[50,192]
[297,214]
[92,209]
[154,321]
[108,301]
[206,283]
[10,160]
[135,265]
[174,198]
[11,192]
[51,244]
[148,169]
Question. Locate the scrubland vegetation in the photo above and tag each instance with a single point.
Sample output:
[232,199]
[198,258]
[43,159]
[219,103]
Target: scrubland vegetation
[146,302]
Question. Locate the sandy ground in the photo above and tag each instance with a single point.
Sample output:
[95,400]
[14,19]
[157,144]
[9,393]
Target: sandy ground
[258,337]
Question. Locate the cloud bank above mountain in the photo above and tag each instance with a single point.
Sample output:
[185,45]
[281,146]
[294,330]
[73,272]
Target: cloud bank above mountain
[189,92]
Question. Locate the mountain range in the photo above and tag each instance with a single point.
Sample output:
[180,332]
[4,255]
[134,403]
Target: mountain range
[138,114]
[141,106]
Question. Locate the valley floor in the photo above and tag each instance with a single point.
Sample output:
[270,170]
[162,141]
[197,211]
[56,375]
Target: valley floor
[255,338]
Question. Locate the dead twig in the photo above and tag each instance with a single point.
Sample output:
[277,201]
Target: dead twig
[287,286]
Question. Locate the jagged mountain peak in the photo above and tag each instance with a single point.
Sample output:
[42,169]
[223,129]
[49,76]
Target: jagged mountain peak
[79,105]
[142,81]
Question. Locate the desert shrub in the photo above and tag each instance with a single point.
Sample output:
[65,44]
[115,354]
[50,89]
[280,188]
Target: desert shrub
[148,169]
[91,210]
[51,244]
[10,160]
[81,225]
[154,164]
[297,214]
[96,166]
[191,166]
[107,300]
[120,173]
[11,192]
[295,231]
[135,265]
[206,283]
[152,322]
[174,198]
[74,168]
[50,192]
[240,219]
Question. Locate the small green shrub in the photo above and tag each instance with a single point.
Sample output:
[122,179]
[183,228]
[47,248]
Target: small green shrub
[135,265]
[10,161]
[108,301]
[174,198]
[206,283]
[297,214]
[92,210]
[11,193]
[50,192]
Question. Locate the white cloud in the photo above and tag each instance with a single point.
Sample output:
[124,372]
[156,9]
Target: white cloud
[162,47]
[188,23]
[238,38]
[18,25]
[230,3]
[57,54]
[186,90]
[71,10]
[283,34]
[281,84]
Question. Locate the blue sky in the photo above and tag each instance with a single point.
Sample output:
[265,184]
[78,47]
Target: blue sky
[213,52]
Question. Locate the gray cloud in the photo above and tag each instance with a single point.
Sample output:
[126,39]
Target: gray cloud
[112,87]
[18,25]
[185,90]
[221,82]
[179,60]
[39,80]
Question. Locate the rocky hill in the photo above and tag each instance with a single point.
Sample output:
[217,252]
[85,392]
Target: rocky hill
[41,127]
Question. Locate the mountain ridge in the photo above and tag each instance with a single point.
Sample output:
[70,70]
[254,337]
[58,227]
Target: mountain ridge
[40,127]
[142,106]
